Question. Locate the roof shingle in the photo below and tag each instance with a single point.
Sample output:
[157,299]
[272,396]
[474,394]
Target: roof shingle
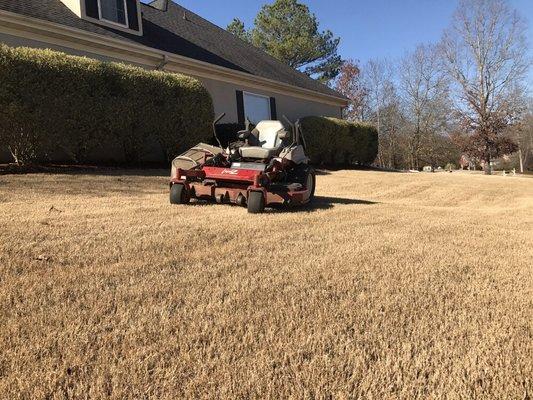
[179,31]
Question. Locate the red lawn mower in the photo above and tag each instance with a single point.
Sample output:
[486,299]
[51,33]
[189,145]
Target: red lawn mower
[266,167]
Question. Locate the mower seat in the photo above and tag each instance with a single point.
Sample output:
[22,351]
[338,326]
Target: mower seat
[269,135]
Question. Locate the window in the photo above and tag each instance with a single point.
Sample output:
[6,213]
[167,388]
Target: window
[113,11]
[256,107]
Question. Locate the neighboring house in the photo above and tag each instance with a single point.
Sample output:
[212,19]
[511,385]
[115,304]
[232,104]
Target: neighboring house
[472,164]
[243,80]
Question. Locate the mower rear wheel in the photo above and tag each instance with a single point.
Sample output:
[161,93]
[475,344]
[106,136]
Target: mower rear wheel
[178,194]
[311,183]
[256,203]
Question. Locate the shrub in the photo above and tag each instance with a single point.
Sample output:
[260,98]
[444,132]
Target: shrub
[228,133]
[50,100]
[336,142]
[450,167]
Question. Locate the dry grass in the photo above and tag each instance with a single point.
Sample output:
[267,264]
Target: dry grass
[422,290]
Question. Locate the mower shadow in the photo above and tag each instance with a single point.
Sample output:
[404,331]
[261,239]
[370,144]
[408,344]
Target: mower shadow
[320,203]
[324,200]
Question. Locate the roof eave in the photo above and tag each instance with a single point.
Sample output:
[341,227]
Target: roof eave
[66,36]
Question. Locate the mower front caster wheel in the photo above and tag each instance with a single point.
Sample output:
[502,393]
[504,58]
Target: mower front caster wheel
[178,194]
[256,203]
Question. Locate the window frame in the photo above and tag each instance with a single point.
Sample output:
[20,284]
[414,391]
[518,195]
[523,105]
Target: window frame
[126,15]
[268,98]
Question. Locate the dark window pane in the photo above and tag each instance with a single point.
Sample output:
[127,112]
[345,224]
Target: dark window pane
[113,10]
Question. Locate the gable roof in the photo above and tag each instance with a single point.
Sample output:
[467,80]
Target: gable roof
[179,31]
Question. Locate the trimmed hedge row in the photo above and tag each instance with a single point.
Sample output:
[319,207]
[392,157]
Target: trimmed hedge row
[51,102]
[330,141]
[228,133]
[336,142]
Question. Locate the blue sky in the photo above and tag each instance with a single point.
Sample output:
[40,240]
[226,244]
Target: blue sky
[368,28]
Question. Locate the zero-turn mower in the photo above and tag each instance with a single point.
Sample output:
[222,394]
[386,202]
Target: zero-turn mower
[266,167]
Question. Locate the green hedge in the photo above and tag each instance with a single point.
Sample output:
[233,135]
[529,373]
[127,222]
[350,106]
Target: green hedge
[228,133]
[51,101]
[336,142]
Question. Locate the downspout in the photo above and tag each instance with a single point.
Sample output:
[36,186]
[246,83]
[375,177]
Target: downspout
[162,64]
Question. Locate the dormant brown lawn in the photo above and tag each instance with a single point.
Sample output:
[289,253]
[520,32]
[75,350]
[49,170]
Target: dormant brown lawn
[396,286]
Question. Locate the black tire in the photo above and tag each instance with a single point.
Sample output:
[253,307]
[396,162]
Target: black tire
[178,194]
[312,174]
[256,203]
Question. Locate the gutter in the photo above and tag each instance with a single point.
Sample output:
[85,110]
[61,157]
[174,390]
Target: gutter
[162,64]
[121,50]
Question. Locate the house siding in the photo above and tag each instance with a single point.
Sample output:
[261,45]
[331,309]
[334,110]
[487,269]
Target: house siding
[224,100]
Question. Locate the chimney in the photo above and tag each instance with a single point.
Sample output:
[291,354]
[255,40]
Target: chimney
[163,5]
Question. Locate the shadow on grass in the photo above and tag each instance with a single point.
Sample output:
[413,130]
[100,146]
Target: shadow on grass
[330,201]
[151,170]
[320,203]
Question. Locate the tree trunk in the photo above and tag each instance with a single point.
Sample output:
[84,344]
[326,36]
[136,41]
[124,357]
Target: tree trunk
[381,158]
[521,161]
[15,156]
[488,167]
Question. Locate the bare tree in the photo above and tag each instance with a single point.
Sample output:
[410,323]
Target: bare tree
[486,55]
[424,91]
[394,126]
[377,79]
[523,132]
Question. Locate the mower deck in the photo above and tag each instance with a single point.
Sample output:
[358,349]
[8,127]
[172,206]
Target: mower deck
[229,185]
